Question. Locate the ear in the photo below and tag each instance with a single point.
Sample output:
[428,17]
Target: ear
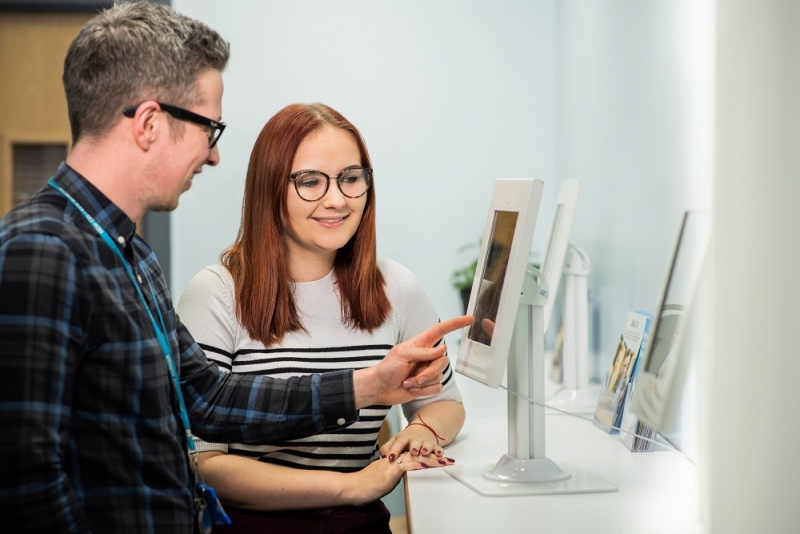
[145,126]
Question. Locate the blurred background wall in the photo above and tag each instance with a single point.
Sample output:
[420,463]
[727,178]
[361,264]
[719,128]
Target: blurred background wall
[450,95]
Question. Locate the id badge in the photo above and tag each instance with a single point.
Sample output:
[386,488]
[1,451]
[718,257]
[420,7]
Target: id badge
[211,511]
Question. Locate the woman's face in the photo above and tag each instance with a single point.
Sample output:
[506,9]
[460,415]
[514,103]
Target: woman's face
[316,230]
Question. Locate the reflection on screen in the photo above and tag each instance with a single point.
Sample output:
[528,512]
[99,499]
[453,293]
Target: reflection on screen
[491,281]
[683,277]
[665,338]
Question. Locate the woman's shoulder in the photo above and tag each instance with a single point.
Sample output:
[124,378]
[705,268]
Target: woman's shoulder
[397,276]
[211,277]
[211,283]
[206,307]
[394,270]
[400,281]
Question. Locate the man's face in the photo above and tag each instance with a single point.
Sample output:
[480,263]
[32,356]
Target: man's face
[184,155]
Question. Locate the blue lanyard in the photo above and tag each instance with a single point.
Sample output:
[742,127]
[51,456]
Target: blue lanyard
[161,332]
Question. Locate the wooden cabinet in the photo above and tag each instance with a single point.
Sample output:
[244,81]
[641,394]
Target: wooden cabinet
[34,126]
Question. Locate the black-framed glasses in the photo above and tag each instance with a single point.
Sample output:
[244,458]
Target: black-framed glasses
[313,185]
[216,127]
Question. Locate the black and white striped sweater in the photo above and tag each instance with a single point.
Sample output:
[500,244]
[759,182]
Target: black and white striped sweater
[207,309]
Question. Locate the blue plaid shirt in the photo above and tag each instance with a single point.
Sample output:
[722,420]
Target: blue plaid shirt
[90,433]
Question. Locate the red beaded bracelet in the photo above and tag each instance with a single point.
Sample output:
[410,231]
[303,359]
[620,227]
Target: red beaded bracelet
[426,425]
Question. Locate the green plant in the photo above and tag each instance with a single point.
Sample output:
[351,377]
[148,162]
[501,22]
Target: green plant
[462,277]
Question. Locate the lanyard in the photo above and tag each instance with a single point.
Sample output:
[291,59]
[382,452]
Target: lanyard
[161,332]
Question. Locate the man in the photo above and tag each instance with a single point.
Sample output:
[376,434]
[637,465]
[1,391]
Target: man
[94,364]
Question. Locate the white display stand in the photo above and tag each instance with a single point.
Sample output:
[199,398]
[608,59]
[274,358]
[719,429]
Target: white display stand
[526,470]
[576,394]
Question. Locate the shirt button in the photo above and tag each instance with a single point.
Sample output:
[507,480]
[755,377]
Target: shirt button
[341,421]
[121,240]
[139,278]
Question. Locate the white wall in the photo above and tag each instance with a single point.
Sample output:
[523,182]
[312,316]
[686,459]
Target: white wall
[448,96]
[451,94]
[634,123]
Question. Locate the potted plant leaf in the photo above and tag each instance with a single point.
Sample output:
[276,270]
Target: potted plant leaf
[462,277]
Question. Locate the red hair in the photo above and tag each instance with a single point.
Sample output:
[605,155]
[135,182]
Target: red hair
[257,260]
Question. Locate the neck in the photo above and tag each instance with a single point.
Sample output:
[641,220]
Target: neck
[308,267]
[110,171]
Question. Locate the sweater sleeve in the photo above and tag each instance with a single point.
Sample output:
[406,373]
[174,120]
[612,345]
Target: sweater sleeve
[206,308]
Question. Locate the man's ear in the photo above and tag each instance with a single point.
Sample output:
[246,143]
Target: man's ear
[145,126]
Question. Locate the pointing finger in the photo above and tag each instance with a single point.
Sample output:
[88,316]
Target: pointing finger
[433,334]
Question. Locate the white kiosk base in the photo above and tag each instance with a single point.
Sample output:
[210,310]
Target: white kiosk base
[577,481]
[577,401]
[526,470]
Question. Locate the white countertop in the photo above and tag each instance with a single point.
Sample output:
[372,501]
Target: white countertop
[657,490]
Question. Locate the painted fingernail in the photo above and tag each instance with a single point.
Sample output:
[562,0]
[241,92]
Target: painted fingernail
[391,457]
[442,462]
[424,466]
[383,456]
[451,460]
[415,451]
[424,450]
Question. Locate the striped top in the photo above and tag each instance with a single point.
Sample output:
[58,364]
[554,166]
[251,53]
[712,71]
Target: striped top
[207,307]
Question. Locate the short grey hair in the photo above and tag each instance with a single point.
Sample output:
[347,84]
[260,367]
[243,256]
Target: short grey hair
[132,52]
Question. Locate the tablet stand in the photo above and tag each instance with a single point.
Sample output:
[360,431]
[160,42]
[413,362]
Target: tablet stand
[576,395]
[525,469]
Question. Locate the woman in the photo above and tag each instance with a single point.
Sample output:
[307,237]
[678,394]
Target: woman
[302,291]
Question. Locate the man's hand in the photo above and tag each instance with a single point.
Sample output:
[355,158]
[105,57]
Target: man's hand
[411,369]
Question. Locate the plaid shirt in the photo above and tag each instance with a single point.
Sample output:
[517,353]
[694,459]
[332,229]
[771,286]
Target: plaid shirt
[90,431]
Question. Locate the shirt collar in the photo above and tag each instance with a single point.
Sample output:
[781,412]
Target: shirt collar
[111,218]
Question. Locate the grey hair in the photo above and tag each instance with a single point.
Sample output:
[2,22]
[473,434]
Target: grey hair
[132,52]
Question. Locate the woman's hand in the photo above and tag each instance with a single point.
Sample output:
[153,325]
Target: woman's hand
[432,427]
[381,476]
[417,441]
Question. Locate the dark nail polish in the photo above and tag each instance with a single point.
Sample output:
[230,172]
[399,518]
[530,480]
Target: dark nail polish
[391,457]
[383,456]
[424,466]
[442,462]
[451,460]
[415,451]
